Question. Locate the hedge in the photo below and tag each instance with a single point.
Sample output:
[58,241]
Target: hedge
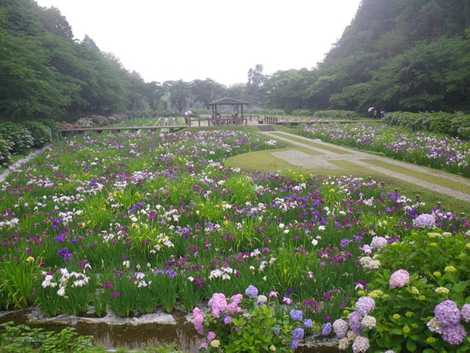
[337,114]
[42,134]
[18,138]
[454,124]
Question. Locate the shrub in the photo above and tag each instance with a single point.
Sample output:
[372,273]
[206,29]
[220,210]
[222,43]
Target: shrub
[18,136]
[240,324]
[23,339]
[337,114]
[5,155]
[51,124]
[301,112]
[41,133]
[420,277]
[454,124]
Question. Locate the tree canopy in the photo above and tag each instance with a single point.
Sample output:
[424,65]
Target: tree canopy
[397,54]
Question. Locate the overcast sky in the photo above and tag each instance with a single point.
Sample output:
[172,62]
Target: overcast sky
[218,39]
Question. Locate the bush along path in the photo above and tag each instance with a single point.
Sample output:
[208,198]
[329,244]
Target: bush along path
[326,153]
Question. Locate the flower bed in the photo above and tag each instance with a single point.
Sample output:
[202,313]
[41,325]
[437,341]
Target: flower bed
[436,151]
[135,222]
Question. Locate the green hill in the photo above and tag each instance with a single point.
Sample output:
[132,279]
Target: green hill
[399,54]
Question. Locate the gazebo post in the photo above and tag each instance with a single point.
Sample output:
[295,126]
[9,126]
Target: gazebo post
[243,116]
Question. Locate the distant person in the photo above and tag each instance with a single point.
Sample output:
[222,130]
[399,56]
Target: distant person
[187,117]
[371,112]
[382,114]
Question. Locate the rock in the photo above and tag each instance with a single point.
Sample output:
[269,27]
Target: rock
[315,342]
[159,318]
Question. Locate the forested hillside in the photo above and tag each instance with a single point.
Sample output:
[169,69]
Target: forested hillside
[45,72]
[399,54]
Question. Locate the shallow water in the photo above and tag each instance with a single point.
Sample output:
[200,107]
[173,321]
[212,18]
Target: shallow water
[134,337]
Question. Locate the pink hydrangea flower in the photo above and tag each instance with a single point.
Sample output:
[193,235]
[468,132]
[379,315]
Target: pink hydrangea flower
[399,279]
[233,307]
[218,304]
[378,243]
[198,320]
[211,336]
[340,327]
[236,299]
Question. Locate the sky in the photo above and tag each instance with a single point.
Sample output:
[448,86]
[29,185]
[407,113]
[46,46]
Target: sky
[218,39]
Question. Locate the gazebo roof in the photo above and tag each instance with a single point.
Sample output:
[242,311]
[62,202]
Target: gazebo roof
[228,101]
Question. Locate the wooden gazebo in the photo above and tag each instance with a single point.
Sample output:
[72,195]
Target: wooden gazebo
[237,117]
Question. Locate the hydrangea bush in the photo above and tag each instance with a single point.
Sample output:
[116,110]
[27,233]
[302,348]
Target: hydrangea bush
[420,296]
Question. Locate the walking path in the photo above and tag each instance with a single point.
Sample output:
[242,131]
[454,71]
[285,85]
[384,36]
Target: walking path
[18,164]
[325,153]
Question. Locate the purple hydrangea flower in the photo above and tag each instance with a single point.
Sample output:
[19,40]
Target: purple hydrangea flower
[327,329]
[365,305]
[297,336]
[355,320]
[454,334]
[227,320]
[251,292]
[296,315]
[465,312]
[425,221]
[447,313]
[308,323]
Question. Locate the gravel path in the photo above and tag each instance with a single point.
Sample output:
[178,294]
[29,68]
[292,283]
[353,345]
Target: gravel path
[18,164]
[322,156]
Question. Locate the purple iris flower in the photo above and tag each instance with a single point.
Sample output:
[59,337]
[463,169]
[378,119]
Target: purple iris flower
[65,253]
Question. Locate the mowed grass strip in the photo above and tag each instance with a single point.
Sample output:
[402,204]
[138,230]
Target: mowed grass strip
[261,161]
[307,141]
[264,161]
[454,185]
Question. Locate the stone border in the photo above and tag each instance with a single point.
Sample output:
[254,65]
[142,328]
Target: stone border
[159,318]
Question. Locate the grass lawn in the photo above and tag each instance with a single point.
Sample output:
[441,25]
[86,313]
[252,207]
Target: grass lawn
[264,161]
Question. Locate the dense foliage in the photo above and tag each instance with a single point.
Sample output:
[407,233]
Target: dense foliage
[410,55]
[419,298]
[17,138]
[46,73]
[445,123]
[336,114]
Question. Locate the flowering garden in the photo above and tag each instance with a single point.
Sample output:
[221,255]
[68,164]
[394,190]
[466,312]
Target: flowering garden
[137,222]
[424,148]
